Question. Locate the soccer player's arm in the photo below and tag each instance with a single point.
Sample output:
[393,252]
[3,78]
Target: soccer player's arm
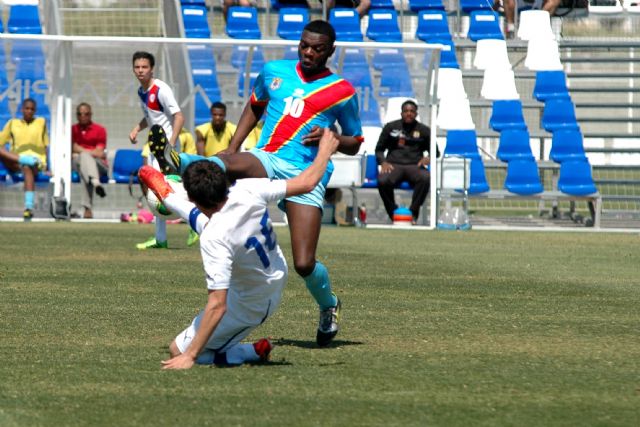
[200,141]
[310,177]
[349,120]
[142,124]
[251,114]
[168,101]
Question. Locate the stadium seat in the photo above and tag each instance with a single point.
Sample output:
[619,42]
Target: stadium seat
[631,6]
[523,177]
[535,24]
[242,23]
[393,86]
[514,144]
[291,53]
[241,82]
[382,4]
[383,26]
[507,114]
[576,178]
[195,22]
[371,172]
[559,113]
[477,177]
[27,50]
[567,145]
[499,83]
[418,5]
[484,24]
[369,110]
[207,80]
[468,6]
[239,56]
[462,143]
[350,56]
[2,31]
[543,55]
[433,25]
[491,53]
[454,114]
[42,177]
[550,84]
[24,19]
[201,56]
[291,21]
[387,57]
[29,71]
[126,164]
[450,83]
[193,2]
[346,23]
[448,57]
[358,75]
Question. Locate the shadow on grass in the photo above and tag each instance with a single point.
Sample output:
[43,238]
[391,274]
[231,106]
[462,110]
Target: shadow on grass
[312,344]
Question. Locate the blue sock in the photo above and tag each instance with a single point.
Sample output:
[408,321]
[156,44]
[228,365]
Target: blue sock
[29,197]
[320,287]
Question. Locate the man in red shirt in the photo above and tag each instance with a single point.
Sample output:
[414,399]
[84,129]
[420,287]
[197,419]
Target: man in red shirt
[89,142]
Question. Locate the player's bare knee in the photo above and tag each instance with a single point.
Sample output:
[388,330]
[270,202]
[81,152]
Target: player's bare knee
[304,267]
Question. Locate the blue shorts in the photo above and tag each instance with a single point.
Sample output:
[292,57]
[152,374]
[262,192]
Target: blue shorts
[281,169]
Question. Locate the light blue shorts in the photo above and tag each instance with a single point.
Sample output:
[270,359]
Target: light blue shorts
[281,169]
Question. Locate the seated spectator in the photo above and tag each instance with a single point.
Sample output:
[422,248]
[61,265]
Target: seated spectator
[405,142]
[28,150]
[89,156]
[361,6]
[213,137]
[510,11]
[226,4]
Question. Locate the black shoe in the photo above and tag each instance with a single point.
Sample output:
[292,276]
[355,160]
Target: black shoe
[27,214]
[100,191]
[168,159]
[328,326]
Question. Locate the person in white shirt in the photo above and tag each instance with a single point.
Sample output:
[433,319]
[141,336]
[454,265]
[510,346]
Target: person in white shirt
[159,107]
[244,266]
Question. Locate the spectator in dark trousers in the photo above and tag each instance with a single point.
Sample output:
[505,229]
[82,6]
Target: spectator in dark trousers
[405,142]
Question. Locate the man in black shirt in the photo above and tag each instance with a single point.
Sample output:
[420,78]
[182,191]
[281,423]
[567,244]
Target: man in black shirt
[405,141]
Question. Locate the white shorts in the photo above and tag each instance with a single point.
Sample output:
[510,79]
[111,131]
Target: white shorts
[243,315]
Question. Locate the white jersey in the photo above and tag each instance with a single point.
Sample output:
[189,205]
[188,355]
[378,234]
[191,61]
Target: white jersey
[238,245]
[159,105]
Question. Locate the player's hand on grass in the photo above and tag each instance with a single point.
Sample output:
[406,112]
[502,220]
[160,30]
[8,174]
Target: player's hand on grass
[313,138]
[181,361]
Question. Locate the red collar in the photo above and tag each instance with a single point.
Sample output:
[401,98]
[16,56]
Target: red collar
[315,77]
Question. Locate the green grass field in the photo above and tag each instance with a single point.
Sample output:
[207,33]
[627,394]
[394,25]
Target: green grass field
[438,328]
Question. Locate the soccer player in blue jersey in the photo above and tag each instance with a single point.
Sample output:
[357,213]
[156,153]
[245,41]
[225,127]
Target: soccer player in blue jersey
[300,99]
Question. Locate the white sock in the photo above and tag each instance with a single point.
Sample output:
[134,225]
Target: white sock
[241,353]
[161,230]
[184,208]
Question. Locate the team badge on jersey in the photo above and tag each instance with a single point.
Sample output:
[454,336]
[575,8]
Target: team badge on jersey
[275,83]
[152,97]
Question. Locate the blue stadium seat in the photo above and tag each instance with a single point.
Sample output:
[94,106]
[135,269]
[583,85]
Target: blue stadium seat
[418,5]
[383,26]
[395,81]
[576,179]
[195,22]
[208,81]
[369,110]
[523,177]
[239,57]
[291,52]
[381,4]
[507,114]
[359,76]
[567,145]
[277,5]
[42,177]
[387,57]
[5,112]
[468,6]
[559,113]
[448,58]
[462,143]
[550,84]
[24,19]
[201,56]
[126,164]
[2,31]
[291,21]
[27,50]
[484,24]
[75,177]
[433,25]
[193,2]
[514,144]
[202,110]
[346,23]
[29,70]
[241,80]
[477,177]
[351,57]
[242,23]
[370,172]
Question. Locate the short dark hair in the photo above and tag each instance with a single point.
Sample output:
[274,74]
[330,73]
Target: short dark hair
[83,104]
[31,100]
[409,102]
[206,183]
[321,27]
[219,105]
[141,54]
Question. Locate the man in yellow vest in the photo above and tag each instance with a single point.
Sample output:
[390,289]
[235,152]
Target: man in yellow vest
[213,137]
[28,150]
